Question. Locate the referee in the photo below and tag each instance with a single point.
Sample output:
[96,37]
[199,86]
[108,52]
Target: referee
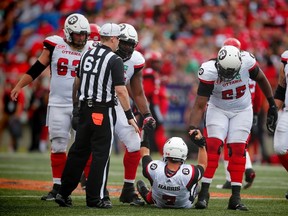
[100,78]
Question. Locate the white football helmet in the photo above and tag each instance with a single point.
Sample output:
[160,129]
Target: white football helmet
[128,41]
[76,23]
[176,149]
[228,63]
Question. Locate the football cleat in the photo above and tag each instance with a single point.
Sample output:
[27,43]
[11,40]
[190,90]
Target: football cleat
[128,195]
[235,204]
[142,189]
[226,185]
[249,178]
[203,200]
[63,202]
[51,194]
[100,204]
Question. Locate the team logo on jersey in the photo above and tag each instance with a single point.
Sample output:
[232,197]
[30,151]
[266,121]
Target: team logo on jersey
[200,71]
[153,166]
[60,46]
[185,171]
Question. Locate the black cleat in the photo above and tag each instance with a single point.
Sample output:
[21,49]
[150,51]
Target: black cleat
[63,202]
[142,189]
[235,204]
[226,185]
[128,195]
[203,200]
[100,204]
[107,201]
[286,195]
[249,178]
[51,194]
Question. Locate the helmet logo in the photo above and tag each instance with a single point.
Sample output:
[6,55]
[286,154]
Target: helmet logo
[222,54]
[72,20]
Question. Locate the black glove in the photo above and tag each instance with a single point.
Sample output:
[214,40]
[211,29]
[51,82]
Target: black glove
[75,117]
[254,129]
[149,123]
[199,142]
[272,117]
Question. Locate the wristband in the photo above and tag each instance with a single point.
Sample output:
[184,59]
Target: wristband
[129,114]
[191,127]
[147,115]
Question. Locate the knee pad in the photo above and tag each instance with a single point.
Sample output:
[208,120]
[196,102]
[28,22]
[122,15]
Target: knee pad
[59,144]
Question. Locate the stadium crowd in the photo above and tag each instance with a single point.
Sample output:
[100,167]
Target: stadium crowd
[186,32]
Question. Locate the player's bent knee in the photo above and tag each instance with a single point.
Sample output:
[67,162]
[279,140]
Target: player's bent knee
[280,150]
[59,144]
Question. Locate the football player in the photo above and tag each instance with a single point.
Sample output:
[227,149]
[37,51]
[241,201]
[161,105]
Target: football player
[62,55]
[174,184]
[224,86]
[281,100]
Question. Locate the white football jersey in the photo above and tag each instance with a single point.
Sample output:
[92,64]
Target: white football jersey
[125,132]
[284,58]
[233,95]
[136,61]
[172,192]
[64,61]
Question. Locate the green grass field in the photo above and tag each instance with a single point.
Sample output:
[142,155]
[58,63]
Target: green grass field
[265,197]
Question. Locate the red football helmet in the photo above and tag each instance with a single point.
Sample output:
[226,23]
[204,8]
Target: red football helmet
[153,60]
[94,35]
[232,42]
[153,56]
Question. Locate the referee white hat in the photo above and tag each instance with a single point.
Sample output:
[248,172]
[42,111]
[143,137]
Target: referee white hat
[110,29]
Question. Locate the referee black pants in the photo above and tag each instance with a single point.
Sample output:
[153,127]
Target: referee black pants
[94,135]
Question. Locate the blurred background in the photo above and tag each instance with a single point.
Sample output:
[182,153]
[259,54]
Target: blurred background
[185,32]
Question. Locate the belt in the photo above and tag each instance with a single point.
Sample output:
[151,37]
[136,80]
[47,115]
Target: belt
[92,103]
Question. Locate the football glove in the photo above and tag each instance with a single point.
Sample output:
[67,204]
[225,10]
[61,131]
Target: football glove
[199,142]
[272,116]
[149,123]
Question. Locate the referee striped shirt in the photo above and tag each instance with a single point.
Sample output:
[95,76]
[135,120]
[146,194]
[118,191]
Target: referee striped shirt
[100,71]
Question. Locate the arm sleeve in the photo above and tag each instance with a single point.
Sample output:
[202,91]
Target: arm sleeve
[205,89]
[145,161]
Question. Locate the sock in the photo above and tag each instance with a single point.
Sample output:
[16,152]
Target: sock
[226,159]
[58,161]
[248,164]
[131,161]
[213,152]
[87,167]
[284,160]
[236,164]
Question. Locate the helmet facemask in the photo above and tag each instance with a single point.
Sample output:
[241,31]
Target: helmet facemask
[78,43]
[228,63]
[126,49]
[128,41]
[226,75]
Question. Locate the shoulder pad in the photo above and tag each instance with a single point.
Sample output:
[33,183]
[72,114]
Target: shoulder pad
[207,71]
